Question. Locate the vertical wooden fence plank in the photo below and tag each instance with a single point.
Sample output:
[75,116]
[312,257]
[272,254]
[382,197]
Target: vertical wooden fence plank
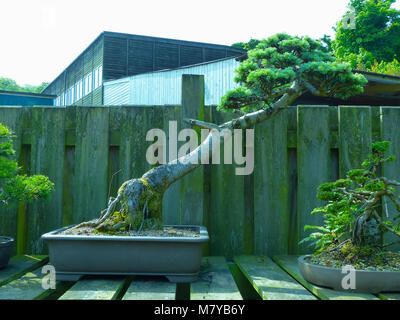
[355,137]
[271,208]
[227,203]
[171,201]
[91,162]
[192,185]
[390,119]
[47,158]
[11,117]
[313,152]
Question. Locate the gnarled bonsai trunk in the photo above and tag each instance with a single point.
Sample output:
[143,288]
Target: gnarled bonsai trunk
[140,200]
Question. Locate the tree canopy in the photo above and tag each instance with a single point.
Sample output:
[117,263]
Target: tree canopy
[283,60]
[11,85]
[376,35]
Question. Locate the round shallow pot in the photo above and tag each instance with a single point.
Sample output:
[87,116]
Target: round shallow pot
[365,281]
[6,247]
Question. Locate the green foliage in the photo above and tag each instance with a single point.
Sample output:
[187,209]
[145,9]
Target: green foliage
[10,85]
[351,211]
[246,45]
[374,41]
[392,68]
[16,187]
[279,61]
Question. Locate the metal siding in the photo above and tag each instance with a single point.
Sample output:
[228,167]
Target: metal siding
[164,88]
[116,94]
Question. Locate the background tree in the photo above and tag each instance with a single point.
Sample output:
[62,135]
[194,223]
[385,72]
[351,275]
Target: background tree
[277,71]
[11,85]
[376,36]
[13,185]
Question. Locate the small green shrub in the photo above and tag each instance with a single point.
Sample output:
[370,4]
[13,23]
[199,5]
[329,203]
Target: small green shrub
[15,187]
[353,204]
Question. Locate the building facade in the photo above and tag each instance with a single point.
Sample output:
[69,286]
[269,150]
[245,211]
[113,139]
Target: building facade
[116,55]
[17,98]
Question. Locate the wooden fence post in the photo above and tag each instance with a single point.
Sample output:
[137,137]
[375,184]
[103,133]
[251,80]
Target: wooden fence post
[47,158]
[192,185]
[390,119]
[313,153]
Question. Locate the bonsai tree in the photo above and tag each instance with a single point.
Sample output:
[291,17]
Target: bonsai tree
[275,73]
[15,187]
[353,222]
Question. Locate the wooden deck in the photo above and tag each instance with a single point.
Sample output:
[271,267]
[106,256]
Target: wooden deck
[247,277]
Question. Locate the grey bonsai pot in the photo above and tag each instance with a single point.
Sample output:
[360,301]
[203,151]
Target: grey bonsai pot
[177,258]
[365,281]
[6,247]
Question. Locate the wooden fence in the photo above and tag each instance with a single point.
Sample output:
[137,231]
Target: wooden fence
[89,151]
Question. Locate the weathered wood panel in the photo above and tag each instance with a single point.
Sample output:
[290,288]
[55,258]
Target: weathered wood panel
[270,281]
[47,158]
[97,288]
[91,162]
[215,281]
[150,289]
[355,137]
[390,119]
[271,203]
[313,154]
[192,185]
[227,203]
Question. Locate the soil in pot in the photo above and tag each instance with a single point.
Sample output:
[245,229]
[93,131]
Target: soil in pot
[361,258]
[166,231]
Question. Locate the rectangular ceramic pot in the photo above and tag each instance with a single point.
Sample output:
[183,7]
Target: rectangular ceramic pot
[177,258]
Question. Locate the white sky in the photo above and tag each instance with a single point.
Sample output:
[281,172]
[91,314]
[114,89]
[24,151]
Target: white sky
[38,39]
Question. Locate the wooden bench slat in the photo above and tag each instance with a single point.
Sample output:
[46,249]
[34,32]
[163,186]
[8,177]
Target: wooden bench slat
[215,281]
[290,265]
[150,289]
[95,288]
[269,280]
[389,296]
[29,287]
[19,265]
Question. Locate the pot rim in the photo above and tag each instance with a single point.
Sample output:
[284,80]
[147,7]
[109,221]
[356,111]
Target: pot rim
[203,237]
[6,241]
[302,259]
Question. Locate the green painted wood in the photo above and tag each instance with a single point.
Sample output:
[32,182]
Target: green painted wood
[192,185]
[29,287]
[91,162]
[271,187]
[390,119]
[11,117]
[227,212]
[47,158]
[95,288]
[150,289]
[171,202]
[389,296]
[355,137]
[289,264]
[313,161]
[215,281]
[19,265]
[269,280]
